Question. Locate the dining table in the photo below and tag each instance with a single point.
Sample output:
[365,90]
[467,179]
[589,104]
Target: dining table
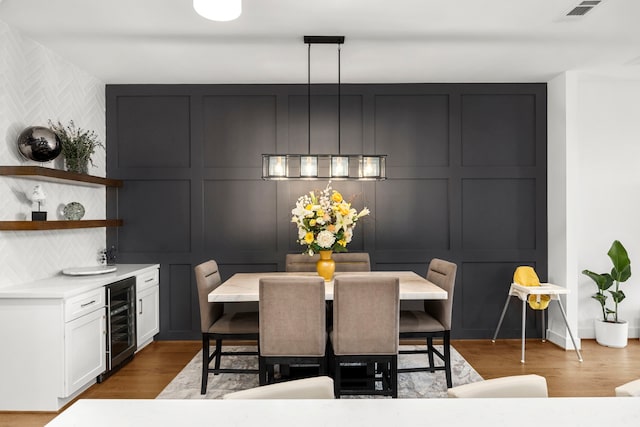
[243,287]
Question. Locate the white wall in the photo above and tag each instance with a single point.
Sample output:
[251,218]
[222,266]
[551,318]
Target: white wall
[608,199]
[594,192]
[37,85]
[562,167]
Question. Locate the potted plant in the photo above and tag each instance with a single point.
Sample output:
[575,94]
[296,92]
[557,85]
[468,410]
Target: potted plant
[78,146]
[611,331]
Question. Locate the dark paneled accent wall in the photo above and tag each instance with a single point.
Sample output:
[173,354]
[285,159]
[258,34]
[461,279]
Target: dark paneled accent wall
[466,182]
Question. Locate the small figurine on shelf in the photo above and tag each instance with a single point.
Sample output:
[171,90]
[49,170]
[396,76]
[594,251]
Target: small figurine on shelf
[39,197]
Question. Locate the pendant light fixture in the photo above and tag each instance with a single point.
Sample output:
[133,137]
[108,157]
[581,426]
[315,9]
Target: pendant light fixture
[218,10]
[322,166]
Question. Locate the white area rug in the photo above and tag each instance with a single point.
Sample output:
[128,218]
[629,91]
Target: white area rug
[186,385]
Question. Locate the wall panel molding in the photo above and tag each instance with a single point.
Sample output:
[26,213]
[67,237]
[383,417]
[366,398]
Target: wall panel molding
[466,182]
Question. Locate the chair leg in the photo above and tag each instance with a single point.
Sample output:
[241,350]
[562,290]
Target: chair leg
[322,368]
[447,358]
[262,371]
[504,310]
[336,377]
[218,355]
[394,377]
[205,363]
[430,353]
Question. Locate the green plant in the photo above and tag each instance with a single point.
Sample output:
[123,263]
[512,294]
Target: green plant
[620,273]
[78,145]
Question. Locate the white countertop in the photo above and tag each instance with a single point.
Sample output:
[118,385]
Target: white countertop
[523,412]
[62,286]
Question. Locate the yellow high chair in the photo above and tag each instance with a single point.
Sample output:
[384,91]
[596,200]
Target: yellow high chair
[527,287]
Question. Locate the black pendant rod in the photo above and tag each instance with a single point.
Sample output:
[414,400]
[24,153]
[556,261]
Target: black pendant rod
[309,98]
[339,103]
[309,40]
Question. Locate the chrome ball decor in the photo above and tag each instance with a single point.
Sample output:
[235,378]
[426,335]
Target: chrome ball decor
[39,144]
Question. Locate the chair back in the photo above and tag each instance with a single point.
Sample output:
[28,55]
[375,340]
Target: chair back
[631,388]
[366,314]
[306,388]
[292,316]
[208,279]
[351,261]
[513,386]
[443,274]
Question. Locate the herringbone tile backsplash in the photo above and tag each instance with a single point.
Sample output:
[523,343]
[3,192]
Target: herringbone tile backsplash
[36,85]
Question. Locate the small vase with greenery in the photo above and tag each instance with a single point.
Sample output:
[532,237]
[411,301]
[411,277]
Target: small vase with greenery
[614,335]
[78,145]
[621,272]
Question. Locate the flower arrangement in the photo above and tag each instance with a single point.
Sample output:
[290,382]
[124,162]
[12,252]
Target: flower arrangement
[77,145]
[326,221]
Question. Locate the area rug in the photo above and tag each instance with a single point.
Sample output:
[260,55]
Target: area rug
[186,385]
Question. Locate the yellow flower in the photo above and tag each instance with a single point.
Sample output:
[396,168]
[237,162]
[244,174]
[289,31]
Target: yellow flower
[309,207]
[344,208]
[308,238]
[320,213]
[336,197]
[342,243]
[312,222]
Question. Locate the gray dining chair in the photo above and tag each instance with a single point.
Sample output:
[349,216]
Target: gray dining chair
[350,261]
[217,325]
[432,322]
[512,386]
[292,324]
[365,334]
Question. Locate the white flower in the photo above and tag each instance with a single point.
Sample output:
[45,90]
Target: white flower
[363,212]
[326,239]
[348,234]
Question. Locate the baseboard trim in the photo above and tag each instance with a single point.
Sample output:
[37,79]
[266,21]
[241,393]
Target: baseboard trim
[562,341]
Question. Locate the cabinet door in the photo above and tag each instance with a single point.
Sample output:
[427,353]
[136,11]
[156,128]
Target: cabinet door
[148,318]
[85,350]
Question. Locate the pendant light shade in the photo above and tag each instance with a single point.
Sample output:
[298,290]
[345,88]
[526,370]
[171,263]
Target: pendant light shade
[218,10]
[365,167]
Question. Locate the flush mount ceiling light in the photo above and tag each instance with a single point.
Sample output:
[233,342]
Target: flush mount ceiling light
[365,167]
[218,10]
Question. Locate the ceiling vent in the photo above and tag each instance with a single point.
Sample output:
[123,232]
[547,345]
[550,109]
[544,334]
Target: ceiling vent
[583,8]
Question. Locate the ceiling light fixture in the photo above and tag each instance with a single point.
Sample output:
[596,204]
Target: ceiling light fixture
[218,10]
[366,167]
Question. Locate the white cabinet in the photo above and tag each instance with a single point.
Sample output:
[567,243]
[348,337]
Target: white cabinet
[52,349]
[53,335]
[84,343]
[147,307]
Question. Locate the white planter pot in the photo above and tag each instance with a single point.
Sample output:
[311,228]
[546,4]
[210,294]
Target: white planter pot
[612,334]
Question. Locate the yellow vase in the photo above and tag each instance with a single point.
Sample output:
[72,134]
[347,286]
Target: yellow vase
[326,266]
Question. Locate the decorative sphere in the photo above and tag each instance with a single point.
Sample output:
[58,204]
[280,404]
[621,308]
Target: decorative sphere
[39,143]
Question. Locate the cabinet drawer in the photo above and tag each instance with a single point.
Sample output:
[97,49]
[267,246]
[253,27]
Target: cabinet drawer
[147,279]
[84,303]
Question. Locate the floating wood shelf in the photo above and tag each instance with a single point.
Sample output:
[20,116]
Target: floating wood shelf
[59,176]
[59,225]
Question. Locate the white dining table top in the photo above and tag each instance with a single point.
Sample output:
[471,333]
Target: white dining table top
[495,412]
[243,287]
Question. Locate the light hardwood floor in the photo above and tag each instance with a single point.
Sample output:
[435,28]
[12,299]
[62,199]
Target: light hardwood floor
[602,370]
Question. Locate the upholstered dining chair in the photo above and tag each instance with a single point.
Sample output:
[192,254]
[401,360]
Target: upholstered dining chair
[217,325]
[432,322]
[513,386]
[632,388]
[305,388]
[365,333]
[351,261]
[292,324]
